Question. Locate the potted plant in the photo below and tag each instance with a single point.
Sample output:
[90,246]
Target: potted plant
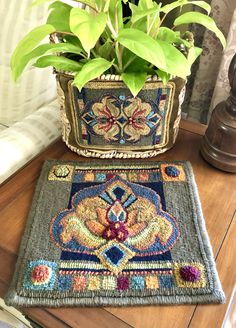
[120,79]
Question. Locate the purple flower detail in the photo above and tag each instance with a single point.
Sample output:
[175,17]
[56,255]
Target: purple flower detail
[172,171]
[116,230]
[122,283]
[190,273]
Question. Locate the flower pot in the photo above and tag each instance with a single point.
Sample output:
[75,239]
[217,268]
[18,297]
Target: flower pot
[104,119]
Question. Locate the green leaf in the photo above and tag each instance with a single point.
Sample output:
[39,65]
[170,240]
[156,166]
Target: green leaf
[137,13]
[59,62]
[154,23]
[176,63]
[145,17]
[168,8]
[106,7]
[54,48]
[73,40]
[42,50]
[99,4]
[193,54]
[145,4]
[136,64]
[91,70]
[165,77]
[170,36]
[27,44]
[134,81]
[59,16]
[206,21]
[116,14]
[143,46]
[90,3]
[202,4]
[106,49]
[135,73]
[87,27]
[140,25]
[166,34]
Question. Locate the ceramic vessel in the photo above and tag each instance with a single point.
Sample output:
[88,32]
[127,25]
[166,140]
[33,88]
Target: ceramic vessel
[219,142]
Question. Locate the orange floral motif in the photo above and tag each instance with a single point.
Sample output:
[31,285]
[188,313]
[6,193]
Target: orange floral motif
[116,211]
[41,274]
[122,119]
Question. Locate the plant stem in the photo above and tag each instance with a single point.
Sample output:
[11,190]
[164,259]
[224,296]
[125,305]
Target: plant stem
[129,62]
[94,53]
[153,21]
[162,20]
[116,23]
[148,23]
[119,56]
[116,67]
[65,33]
[109,24]
[83,55]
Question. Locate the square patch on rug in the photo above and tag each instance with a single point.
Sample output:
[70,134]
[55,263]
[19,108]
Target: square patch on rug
[113,233]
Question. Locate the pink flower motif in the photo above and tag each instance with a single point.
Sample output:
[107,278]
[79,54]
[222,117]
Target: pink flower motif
[40,274]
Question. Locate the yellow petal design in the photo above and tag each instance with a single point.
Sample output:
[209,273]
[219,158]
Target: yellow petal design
[160,228]
[74,228]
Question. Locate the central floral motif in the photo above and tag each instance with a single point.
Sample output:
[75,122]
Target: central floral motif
[122,119]
[116,221]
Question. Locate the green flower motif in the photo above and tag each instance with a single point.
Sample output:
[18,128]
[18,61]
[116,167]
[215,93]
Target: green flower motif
[61,171]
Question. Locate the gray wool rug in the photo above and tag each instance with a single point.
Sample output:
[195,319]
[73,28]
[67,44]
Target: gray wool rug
[113,233]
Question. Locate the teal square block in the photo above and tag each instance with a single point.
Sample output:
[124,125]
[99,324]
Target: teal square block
[100,177]
[137,282]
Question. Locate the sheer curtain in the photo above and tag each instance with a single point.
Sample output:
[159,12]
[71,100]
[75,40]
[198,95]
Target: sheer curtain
[205,73]
[222,88]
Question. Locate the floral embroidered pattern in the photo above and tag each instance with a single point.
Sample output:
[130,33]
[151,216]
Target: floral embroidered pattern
[191,275]
[116,236]
[61,173]
[40,275]
[123,119]
[116,210]
[172,172]
[127,215]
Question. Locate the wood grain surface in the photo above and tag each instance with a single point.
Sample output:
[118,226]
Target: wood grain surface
[217,192]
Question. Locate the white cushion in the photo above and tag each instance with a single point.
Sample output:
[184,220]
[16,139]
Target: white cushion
[37,86]
[24,140]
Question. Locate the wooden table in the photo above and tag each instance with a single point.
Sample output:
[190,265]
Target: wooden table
[218,196]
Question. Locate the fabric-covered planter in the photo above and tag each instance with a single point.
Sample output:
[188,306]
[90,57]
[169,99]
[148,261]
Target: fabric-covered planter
[105,120]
